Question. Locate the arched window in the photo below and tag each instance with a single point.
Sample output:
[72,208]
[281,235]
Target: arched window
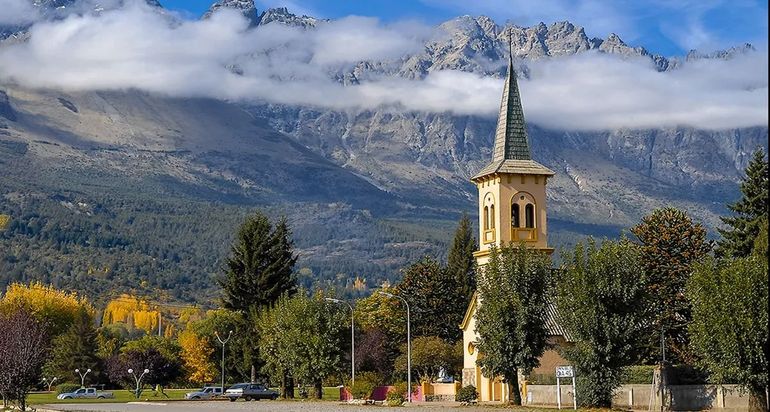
[492,217]
[515,215]
[486,217]
[529,215]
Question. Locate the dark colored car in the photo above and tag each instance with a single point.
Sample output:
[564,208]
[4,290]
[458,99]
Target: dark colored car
[250,391]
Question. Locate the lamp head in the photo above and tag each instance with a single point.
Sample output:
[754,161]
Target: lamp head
[77,370]
[130,371]
[146,371]
[230,333]
[89,370]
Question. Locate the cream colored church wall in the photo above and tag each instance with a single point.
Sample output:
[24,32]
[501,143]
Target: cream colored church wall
[502,189]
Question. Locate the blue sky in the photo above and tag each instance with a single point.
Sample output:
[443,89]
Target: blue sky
[668,27]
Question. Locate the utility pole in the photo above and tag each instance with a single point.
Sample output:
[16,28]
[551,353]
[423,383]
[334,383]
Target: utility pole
[352,339]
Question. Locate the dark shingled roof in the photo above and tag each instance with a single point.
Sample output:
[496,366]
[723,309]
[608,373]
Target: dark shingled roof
[511,153]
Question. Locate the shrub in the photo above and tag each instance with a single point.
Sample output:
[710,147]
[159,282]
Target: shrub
[467,394]
[637,374]
[541,379]
[395,397]
[364,385]
[66,388]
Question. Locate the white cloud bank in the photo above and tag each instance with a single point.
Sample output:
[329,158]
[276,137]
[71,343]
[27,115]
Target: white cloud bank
[13,12]
[135,47]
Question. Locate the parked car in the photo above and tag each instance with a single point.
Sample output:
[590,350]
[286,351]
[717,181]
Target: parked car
[85,393]
[250,391]
[207,392]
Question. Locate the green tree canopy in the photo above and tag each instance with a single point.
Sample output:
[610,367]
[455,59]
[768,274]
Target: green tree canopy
[435,300]
[729,329]
[748,212]
[461,265]
[510,320]
[602,303]
[303,337]
[670,244]
[76,348]
[260,265]
[429,355]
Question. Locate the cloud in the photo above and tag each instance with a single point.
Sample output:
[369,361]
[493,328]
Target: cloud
[137,48]
[16,12]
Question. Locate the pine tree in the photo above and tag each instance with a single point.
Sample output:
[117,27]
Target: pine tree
[744,225]
[76,348]
[461,265]
[260,266]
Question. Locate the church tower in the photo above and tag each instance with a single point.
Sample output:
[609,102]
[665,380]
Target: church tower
[512,209]
[512,202]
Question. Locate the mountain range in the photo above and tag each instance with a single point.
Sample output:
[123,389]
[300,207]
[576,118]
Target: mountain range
[116,190]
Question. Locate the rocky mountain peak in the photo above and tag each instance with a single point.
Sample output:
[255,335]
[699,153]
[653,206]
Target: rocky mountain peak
[246,7]
[283,16]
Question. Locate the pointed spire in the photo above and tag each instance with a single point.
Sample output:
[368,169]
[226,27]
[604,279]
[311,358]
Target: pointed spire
[511,141]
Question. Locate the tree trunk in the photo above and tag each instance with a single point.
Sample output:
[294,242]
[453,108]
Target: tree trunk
[319,389]
[253,374]
[288,387]
[514,396]
[757,400]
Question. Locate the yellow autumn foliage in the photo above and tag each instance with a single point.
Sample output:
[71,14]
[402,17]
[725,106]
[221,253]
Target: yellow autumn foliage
[55,307]
[4,221]
[131,311]
[195,356]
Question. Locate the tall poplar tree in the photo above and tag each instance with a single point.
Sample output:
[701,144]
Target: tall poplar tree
[744,226]
[510,320]
[461,265]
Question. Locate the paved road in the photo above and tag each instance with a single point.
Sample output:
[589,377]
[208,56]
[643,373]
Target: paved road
[272,406]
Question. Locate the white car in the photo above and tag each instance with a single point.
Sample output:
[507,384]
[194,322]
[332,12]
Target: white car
[85,393]
[207,392]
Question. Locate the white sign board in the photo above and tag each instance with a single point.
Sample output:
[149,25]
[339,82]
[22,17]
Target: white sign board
[564,372]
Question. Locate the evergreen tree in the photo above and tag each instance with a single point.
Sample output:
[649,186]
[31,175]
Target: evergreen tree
[510,320]
[259,271]
[260,265]
[76,348]
[461,265]
[744,225]
[670,244]
[433,297]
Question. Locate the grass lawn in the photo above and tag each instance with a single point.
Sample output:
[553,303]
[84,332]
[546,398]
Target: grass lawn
[121,395]
[331,393]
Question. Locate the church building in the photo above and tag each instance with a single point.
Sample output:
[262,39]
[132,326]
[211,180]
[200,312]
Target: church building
[512,209]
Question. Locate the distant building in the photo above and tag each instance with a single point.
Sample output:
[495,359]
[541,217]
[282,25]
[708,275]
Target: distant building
[512,208]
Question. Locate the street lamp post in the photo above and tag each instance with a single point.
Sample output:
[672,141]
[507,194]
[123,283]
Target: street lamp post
[83,377]
[223,342]
[408,344]
[138,380]
[49,383]
[352,339]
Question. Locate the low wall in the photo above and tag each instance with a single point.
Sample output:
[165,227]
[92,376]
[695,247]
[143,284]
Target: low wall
[440,392]
[679,397]
[380,392]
